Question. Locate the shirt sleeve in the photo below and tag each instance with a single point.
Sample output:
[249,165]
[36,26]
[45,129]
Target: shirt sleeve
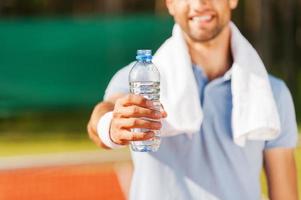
[289,132]
[119,83]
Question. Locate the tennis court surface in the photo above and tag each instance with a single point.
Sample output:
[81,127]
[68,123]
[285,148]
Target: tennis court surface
[94,181]
[71,180]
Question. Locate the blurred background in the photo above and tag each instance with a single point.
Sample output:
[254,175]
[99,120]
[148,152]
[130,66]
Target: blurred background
[56,59]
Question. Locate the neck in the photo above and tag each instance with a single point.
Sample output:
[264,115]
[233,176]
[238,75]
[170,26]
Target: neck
[213,56]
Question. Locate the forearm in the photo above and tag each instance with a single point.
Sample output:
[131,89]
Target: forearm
[280,168]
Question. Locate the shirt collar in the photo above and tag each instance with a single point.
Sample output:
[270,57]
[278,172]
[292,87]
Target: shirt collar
[227,75]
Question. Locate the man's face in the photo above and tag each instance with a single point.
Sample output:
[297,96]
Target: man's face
[201,20]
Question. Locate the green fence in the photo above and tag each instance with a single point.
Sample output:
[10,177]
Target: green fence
[67,63]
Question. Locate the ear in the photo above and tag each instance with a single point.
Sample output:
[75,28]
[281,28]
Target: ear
[233,4]
[170,6]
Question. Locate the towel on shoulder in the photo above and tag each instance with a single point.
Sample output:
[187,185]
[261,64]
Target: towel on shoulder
[254,112]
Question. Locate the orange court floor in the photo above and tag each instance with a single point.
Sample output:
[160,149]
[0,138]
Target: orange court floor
[74,182]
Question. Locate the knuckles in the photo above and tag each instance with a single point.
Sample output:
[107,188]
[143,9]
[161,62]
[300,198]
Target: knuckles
[115,125]
[130,98]
[116,114]
[134,110]
[133,122]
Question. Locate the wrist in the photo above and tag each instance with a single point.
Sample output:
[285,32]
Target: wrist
[103,131]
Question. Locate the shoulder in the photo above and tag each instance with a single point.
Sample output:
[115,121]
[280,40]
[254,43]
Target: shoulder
[282,96]
[279,89]
[276,82]
[284,102]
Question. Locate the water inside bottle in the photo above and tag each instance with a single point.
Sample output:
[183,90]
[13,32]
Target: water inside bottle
[151,91]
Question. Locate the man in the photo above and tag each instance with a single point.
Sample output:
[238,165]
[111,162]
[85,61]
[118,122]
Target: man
[207,165]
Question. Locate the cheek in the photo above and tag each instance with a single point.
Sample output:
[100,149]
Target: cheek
[224,13]
[181,13]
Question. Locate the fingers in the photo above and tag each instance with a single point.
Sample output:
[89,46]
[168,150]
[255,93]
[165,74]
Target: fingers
[124,136]
[130,123]
[136,112]
[121,132]
[132,99]
[128,136]
[133,105]
[163,112]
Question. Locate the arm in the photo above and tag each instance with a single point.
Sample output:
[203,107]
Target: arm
[280,169]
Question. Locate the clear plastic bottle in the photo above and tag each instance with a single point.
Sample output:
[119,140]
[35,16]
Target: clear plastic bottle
[144,79]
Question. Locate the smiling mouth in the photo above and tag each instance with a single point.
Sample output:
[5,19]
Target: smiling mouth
[202,19]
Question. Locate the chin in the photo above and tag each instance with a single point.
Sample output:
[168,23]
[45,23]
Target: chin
[202,37]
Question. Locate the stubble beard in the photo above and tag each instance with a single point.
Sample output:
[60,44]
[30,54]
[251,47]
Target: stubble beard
[208,36]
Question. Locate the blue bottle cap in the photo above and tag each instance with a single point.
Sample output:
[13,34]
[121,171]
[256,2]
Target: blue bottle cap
[144,55]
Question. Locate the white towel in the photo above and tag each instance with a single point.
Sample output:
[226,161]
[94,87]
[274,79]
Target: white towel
[254,112]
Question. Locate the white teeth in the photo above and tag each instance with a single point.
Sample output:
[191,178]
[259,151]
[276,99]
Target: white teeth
[202,18]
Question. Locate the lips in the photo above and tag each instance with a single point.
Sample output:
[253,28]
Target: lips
[203,18]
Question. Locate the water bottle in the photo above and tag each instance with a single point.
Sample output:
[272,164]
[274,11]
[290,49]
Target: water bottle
[144,79]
